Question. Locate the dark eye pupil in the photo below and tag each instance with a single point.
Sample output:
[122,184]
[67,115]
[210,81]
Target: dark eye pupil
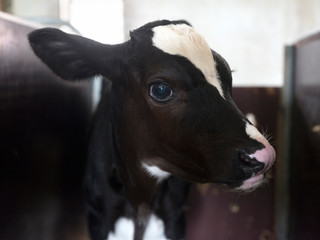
[161,92]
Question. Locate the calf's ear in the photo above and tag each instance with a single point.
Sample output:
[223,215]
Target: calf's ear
[74,57]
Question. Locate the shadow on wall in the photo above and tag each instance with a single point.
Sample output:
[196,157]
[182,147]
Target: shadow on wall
[42,145]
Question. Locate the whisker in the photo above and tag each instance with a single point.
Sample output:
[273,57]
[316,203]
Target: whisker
[265,133]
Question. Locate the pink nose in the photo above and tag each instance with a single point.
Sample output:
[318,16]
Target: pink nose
[266,155]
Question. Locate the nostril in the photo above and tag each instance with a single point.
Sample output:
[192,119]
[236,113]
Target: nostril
[250,164]
[243,157]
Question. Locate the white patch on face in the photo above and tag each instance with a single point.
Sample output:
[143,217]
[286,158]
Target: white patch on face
[183,40]
[154,229]
[156,172]
[123,230]
[253,133]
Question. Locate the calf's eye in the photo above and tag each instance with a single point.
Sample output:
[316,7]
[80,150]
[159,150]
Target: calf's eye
[161,92]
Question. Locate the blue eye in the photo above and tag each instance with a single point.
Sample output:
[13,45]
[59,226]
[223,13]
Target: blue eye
[161,92]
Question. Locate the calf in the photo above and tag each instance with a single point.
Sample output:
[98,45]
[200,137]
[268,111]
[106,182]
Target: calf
[165,119]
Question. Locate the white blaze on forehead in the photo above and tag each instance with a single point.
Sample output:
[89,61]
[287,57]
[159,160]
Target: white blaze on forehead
[183,40]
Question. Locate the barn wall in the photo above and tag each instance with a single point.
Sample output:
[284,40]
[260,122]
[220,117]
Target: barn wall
[35,8]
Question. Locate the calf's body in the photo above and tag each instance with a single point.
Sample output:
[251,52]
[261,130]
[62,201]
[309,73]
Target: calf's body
[165,119]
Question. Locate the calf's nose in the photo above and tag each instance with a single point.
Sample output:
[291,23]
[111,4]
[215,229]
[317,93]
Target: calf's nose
[249,164]
[265,155]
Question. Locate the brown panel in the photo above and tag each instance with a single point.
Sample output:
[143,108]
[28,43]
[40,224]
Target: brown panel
[43,124]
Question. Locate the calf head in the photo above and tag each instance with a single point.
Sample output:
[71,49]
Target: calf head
[174,92]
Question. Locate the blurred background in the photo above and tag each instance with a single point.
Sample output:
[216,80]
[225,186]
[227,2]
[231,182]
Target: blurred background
[272,45]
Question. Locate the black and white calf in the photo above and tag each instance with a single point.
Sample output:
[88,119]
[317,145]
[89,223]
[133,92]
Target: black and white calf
[166,119]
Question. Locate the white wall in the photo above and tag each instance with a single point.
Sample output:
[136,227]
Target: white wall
[250,34]
[35,8]
[101,20]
